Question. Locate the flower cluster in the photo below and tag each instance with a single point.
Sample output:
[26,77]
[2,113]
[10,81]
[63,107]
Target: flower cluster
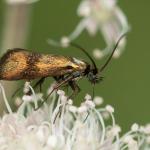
[60,125]
[104,16]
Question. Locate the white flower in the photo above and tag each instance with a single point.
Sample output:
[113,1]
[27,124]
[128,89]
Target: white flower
[21,1]
[110,109]
[65,41]
[66,127]
[88,97]
[102,16]
[98,100]
[135,127]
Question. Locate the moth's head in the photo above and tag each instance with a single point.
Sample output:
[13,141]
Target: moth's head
[93,75]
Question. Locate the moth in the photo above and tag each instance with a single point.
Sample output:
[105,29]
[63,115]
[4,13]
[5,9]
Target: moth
[21,64]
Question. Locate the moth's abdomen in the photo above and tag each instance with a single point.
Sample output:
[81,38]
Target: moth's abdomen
[13,64]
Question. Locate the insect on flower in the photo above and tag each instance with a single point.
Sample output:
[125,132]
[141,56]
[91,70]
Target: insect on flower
[21,64]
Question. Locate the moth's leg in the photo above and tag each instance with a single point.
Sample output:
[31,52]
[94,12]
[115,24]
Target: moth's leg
[68,79]
[39,83]
[58,78]
[75,88]
[65,80]
[58,85]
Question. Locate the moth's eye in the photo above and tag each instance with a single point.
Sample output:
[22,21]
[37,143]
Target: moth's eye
[69,67]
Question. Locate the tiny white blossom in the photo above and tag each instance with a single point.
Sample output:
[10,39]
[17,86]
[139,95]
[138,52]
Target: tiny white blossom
[109,108]
[135,127]
[65,41]
[70,101]
[88,97]
[98,100]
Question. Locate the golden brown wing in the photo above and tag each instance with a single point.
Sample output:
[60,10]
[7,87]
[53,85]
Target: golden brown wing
[19,64]
[54,65]
[13,63]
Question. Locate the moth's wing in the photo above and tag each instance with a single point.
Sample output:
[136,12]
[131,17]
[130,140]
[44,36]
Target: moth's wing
[13,63]
[53,65]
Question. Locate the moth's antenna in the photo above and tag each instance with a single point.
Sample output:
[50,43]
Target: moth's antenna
[115,47]
[85,52]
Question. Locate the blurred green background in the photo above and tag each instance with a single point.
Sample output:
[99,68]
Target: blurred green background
[126,85]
